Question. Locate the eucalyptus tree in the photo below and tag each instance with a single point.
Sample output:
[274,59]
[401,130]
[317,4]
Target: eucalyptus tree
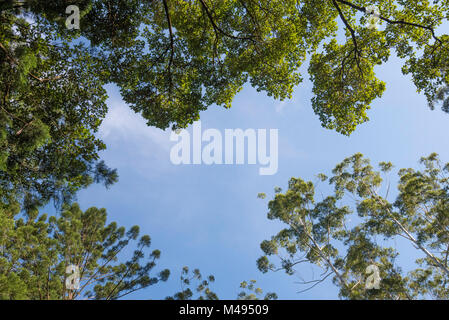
[251,292]
[352,231]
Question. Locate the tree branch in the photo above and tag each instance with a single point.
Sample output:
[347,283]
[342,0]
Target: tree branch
[170,30]
[316,282]
[320,252]
[357,54]
[14,61]
[400,22]
[216,28]
[408,234]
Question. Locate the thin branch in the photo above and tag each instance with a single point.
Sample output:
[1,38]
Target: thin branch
[14,61]
[216,28]
[435,260]
[320,252]
[357,53]
[170,29]
[317,282]
[293,264]
[45,79]
[110,295]
[104,265]
[400,22]
[24,127]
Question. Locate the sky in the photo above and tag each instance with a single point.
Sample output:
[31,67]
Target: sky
[209,216]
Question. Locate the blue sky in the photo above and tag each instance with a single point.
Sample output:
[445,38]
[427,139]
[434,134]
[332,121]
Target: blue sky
[209,217]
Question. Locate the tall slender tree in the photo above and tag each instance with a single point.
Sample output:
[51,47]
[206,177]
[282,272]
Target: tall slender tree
[320,232]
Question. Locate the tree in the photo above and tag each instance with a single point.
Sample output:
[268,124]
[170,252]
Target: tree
[321,233]
[442,96]
[251,292]
[201,290]
[193,286]
[172,59]
[51,105]
[36,252]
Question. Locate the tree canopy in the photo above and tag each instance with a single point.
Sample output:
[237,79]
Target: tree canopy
[172,59]
[52,103]
[324,232]
[40,254]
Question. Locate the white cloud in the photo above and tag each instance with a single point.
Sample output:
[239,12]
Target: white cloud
[123,124]
[132,144]
[280,106]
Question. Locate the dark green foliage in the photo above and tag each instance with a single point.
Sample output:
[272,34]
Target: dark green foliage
[173,59]
[52,103]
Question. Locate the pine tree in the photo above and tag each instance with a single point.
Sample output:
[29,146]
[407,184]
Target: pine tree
[37,250]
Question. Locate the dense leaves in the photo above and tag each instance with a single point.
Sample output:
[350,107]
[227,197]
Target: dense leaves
[52,103]
[173,58]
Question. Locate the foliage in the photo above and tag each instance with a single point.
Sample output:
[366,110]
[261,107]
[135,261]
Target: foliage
[36,250]
[51,105]
[173,59]
[321,233]
[200,289]
[251,292]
